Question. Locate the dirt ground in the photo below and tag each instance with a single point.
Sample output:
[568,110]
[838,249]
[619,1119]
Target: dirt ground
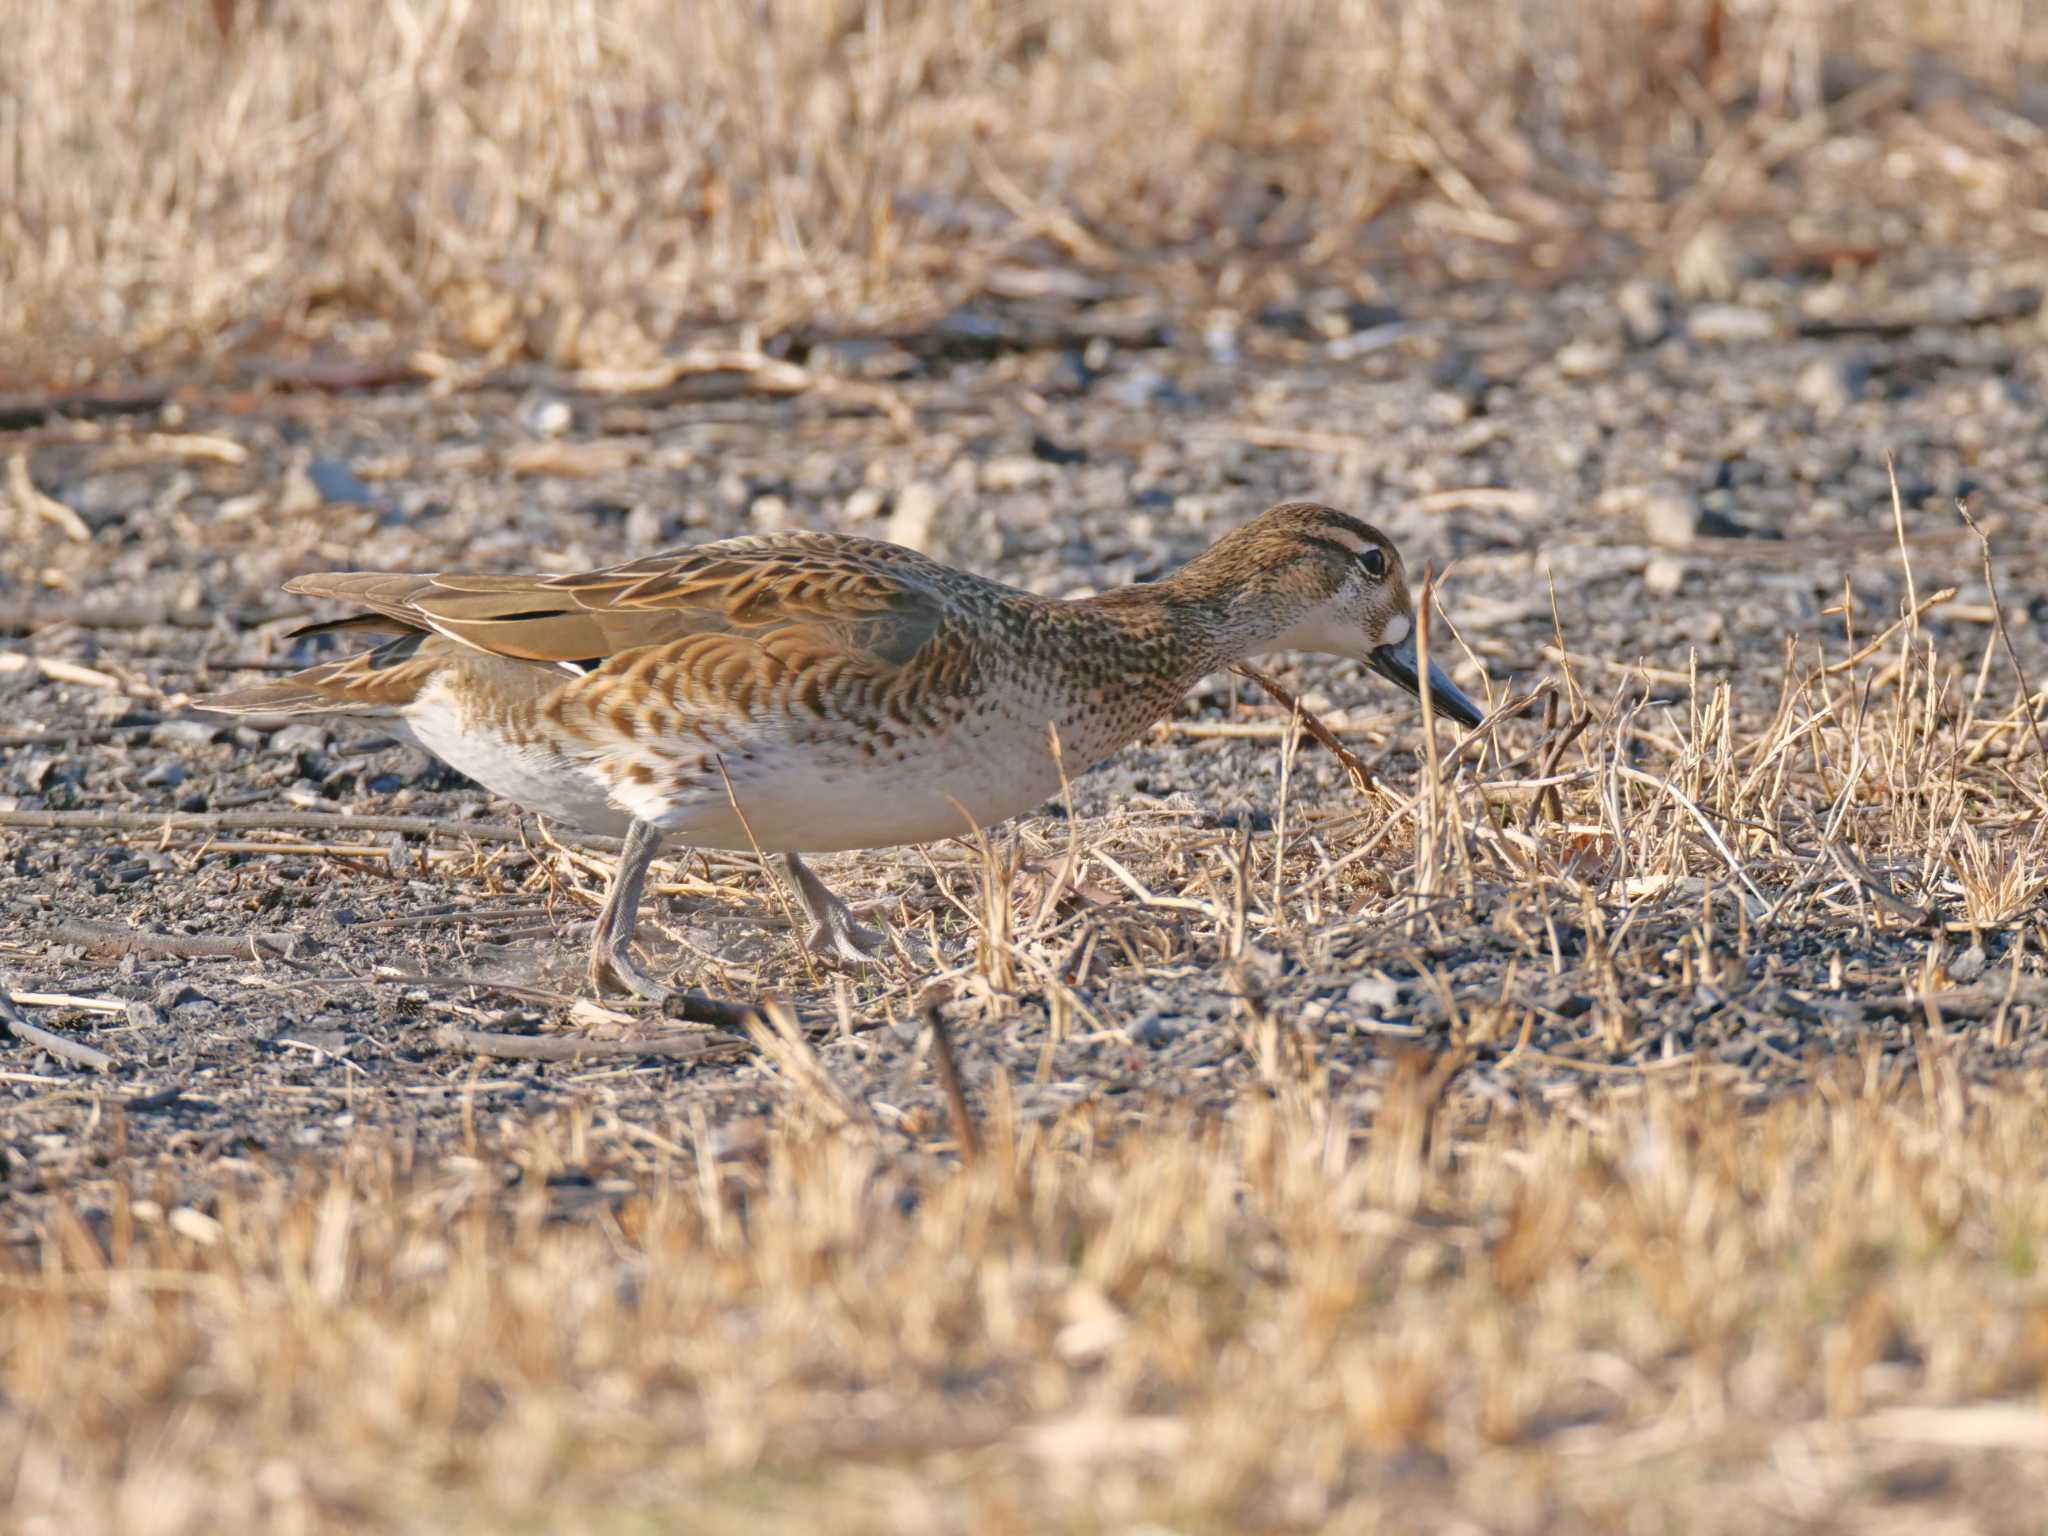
[1659,508]
[1680,505]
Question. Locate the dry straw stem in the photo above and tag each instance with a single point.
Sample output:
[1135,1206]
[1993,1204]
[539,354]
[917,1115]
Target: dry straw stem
[592,184]
[1400,1307]
[2026,698]
[775,1033]
[1305,719]
[32,505]
[946,1062]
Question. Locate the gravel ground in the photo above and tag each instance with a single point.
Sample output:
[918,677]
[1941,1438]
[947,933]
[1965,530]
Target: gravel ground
[1681,486]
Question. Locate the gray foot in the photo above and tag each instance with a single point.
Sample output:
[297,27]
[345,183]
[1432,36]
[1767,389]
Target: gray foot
[611,948]
[612,965]
[834,933]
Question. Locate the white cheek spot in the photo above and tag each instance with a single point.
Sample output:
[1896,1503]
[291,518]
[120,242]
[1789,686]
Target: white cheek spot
[1396,630]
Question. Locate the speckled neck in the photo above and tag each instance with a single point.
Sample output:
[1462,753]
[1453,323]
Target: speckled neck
[1126,658]
[1207,615]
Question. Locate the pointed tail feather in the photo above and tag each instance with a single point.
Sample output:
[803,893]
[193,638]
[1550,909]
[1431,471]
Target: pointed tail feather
[377,682]
[288,696]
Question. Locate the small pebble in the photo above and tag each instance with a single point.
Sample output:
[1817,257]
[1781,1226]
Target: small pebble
[1669,515]
[1153,1029]
[1645,310]
[1445,408]
[546,415]
[1376,995]
[1065,373]
[1219,339]
[643,527]
[1586,359]
[733,489]
[339,485]
[917,506]
[1670,519]
[1664,576]
[303,737]
[1143,387]
[1014,472]
[1731,324]
[183,733]
[1832,384]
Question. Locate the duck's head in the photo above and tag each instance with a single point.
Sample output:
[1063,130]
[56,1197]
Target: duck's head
[1303,577]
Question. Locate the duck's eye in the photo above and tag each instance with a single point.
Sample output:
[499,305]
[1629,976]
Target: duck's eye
[1375,563]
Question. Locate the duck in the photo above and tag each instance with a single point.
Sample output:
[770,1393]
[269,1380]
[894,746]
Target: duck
[805,692]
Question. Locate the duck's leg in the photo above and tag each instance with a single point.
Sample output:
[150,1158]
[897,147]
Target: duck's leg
[834,933]
[611,947]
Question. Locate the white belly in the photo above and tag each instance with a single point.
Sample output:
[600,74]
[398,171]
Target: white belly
[825,798]
[561,788]
[796,793]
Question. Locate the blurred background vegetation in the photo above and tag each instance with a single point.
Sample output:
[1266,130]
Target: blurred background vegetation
[587,182]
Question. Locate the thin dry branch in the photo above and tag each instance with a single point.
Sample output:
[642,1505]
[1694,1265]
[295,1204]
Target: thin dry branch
[1360,775]
[948,1067]
[2005,639]
[111,938]
[753,370]
[285,821]
[506,1047]
[33,1034]
[1550,803]
[685,1007]
[33,505]
[1870,648]
[1866,880]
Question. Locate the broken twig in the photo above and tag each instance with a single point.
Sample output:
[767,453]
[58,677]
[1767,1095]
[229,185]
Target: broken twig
[31,1034]
[1361,776]
[504,1047]
[283,821]
[112,938]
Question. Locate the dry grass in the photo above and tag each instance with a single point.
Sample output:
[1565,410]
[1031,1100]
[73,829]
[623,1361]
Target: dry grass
[588,183]
[1382,1308]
